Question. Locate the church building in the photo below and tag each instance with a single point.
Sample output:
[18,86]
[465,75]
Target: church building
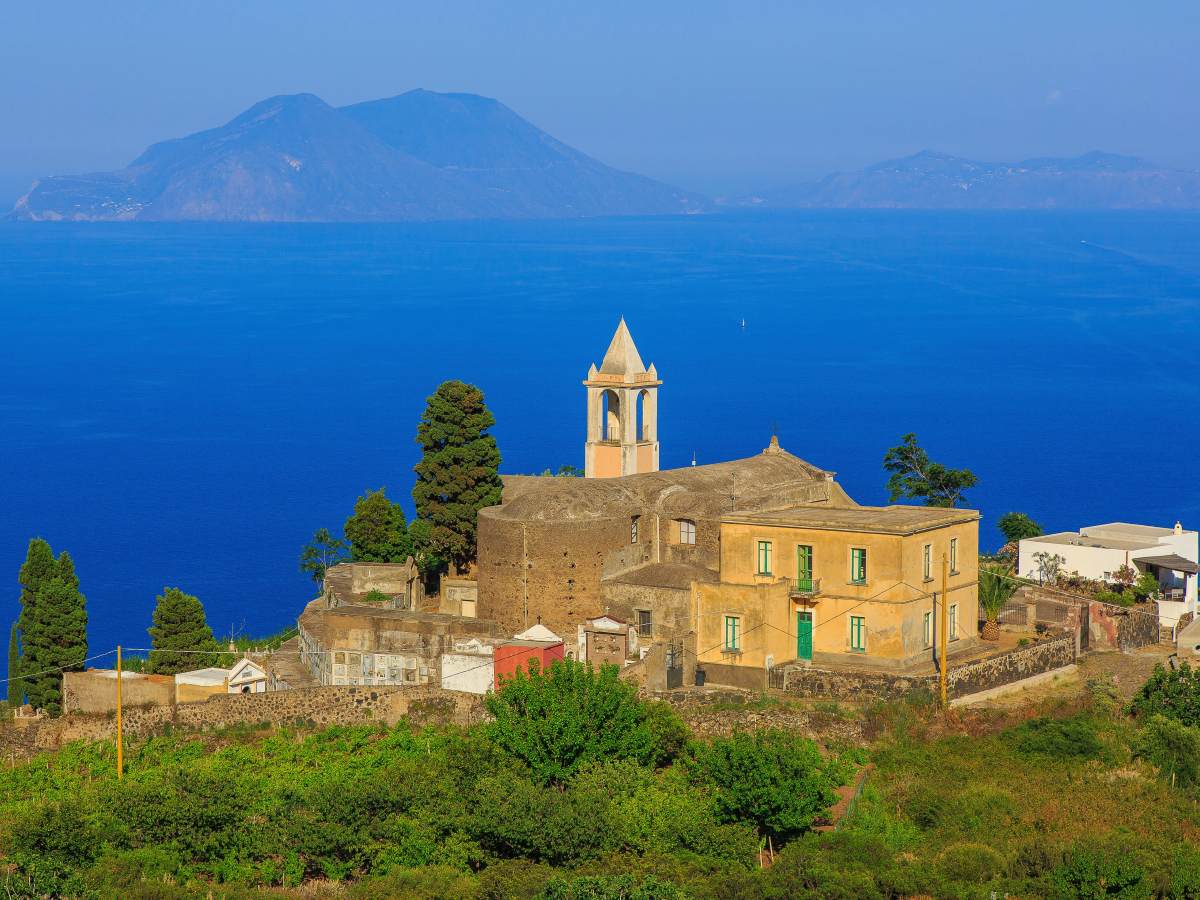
[738,566]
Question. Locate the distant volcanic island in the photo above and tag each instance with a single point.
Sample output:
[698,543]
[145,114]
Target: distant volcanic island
[416,157]
[932,180]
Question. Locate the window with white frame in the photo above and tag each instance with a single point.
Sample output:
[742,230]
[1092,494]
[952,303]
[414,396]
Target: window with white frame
[858,634]
[764,557]
[927,631]
[858,565]
[953,629]
[733,633]
[687,531]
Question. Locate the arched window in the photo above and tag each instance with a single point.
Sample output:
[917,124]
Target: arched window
[687,531]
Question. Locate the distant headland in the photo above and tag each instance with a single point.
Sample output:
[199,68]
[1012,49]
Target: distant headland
[932,180]
[416,157]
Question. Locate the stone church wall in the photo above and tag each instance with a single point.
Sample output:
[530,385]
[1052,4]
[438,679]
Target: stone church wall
[562,561]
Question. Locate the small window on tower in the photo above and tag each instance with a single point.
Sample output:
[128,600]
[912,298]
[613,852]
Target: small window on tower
[633,529]
[687,531]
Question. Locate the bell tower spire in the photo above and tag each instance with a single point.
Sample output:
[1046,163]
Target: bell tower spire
[622,412]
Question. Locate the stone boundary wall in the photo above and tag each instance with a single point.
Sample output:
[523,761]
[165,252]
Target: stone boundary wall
[971,678]
[1135,628]
[311,707]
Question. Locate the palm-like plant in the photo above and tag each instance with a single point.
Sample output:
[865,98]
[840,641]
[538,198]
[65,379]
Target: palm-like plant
[996,587]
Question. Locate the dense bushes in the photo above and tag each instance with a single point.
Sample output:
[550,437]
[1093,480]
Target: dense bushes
[1174,694]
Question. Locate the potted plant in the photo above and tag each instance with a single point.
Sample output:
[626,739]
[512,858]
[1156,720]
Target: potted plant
[995,589]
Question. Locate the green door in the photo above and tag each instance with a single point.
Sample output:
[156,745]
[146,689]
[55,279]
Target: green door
[804,568]
[804,623]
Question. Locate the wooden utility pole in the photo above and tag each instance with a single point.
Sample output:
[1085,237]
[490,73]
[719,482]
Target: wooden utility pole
[945,624]
[120,735]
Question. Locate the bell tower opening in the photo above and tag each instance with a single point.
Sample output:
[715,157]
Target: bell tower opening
[622,412]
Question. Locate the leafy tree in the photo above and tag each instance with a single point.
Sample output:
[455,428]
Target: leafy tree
[1174,694]
[16,693]
[772,779]
[1146,587]
[1048,566]
[377,532]
[1017,526]
[458,474]
[324,551]
[1098,875]
[182,639]
[52,625]
[996,587]
[915,477]
[561,719]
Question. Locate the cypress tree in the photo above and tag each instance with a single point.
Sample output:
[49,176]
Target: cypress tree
[457,475]
[180,625]
[377,532]
[52,626]
[16,693]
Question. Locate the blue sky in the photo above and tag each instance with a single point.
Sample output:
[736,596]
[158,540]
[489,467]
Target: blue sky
[727,98]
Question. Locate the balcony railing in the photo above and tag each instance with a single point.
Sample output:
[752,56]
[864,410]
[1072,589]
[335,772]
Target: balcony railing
[803,587]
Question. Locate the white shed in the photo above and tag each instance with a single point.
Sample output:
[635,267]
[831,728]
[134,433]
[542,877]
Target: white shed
[247,677]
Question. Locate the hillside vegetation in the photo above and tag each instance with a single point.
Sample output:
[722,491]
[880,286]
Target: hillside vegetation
[1073,800]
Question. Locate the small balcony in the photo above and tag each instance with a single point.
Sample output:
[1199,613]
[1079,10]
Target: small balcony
[804,587]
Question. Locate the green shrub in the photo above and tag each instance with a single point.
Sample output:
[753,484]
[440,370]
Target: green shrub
[1051,737]
[1174,694]
[374,596]
[1099,875]
[774,780]
[1116,599]
[1171,746]
[611,887]
[561,719]
[59,832]
[1185,874]
[426,883]
[971,863]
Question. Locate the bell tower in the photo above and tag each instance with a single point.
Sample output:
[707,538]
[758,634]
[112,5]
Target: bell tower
[622,412]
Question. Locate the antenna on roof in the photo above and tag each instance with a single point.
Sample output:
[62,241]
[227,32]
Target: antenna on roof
[693,457]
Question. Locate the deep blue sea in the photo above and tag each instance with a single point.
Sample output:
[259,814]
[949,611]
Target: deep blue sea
[182,405]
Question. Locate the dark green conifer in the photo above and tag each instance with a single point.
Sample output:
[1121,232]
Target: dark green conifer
[458,474]
[52,626]
[15,694]
[182,640]
[377,532]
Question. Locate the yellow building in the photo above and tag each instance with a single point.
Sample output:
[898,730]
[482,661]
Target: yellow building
[857,585]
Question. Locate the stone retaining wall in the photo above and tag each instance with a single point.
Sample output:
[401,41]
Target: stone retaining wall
[311,707]
[995,671]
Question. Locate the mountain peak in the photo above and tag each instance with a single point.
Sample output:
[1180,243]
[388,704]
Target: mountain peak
[419,155]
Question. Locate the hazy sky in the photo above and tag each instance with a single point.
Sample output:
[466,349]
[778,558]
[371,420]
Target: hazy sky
[725,98]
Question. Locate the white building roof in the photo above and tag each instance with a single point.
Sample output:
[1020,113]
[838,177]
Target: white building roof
[1126,531]
[1079,539]
[246,670]
[538,632]
[206,677]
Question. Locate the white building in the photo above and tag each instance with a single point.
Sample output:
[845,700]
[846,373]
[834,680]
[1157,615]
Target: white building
[247,677]
[470,668]
[1172,555]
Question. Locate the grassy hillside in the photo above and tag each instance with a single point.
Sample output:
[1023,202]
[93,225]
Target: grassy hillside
[1071,799]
